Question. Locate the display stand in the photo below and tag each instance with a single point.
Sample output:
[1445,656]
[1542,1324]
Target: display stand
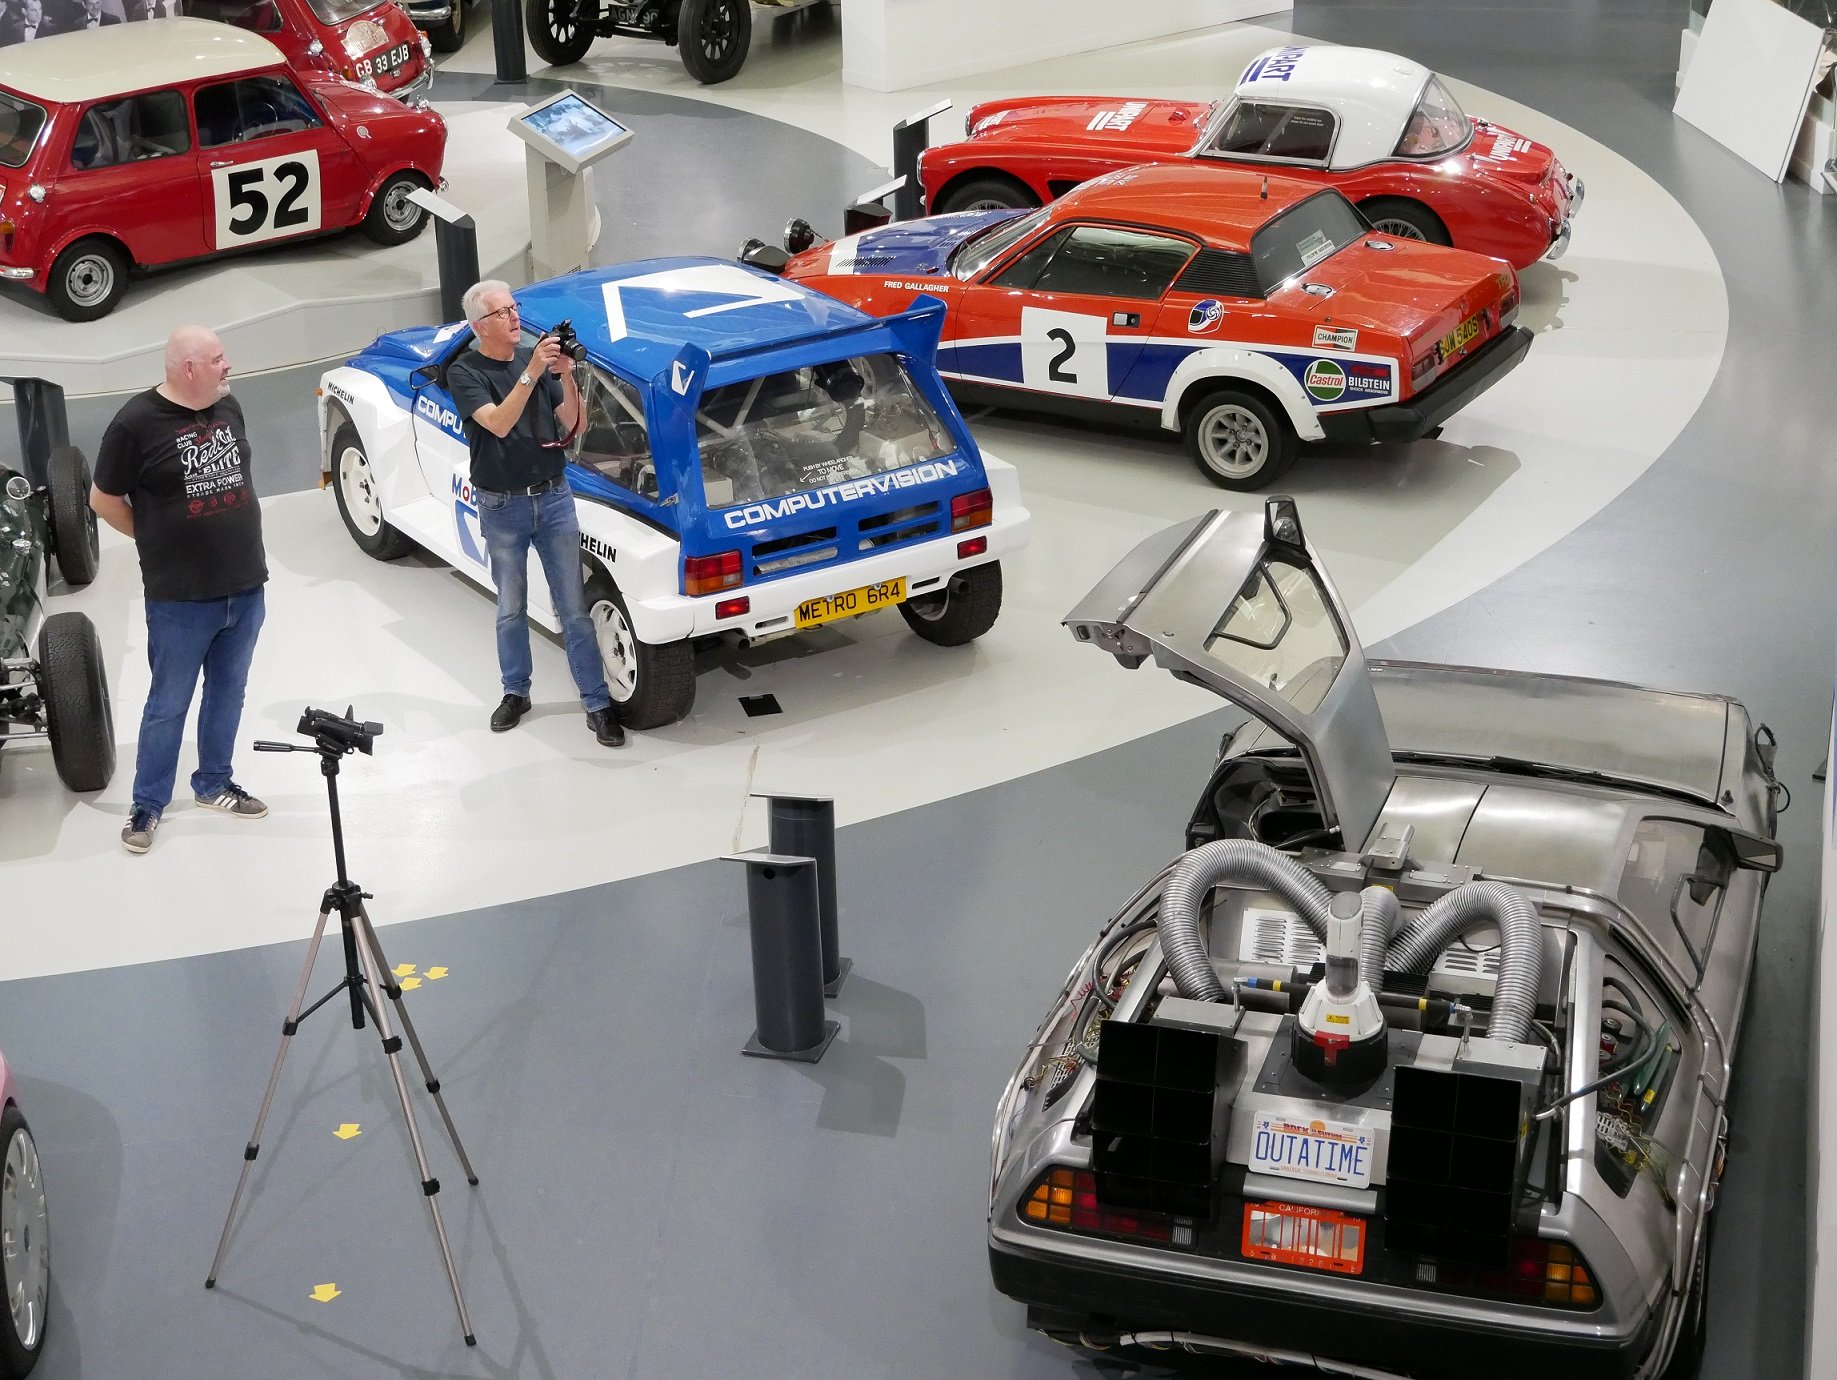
[566,134]
[455,250]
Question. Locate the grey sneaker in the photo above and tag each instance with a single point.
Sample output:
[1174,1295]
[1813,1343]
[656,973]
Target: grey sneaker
[137,833]
[233,800]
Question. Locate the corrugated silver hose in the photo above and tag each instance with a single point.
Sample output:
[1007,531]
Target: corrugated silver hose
[1194,876]
[1521,949]
[1377,923]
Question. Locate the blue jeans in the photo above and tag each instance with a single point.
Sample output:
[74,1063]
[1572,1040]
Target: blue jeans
[184,637]
[511,523]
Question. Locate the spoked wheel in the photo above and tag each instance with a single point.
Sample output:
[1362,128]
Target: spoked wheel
[714,36]
[987,194]
[556,31]
[1236,440]
[25,1248]
[651,684]
[1405,220]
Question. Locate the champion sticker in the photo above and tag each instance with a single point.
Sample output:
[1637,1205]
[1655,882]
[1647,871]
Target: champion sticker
[1325,380]
[1335,338]
[1205,316]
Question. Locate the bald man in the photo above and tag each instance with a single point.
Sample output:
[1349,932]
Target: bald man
[173,473]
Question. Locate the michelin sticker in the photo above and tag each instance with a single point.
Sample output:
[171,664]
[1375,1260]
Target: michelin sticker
[756,514]
[1335,338]
[1207,314]
[1325,380]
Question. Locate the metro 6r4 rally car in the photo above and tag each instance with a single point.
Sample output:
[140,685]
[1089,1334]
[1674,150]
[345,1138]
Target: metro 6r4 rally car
[755,459]
[1246,312]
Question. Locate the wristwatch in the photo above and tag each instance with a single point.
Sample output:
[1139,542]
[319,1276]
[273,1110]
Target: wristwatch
[526,380]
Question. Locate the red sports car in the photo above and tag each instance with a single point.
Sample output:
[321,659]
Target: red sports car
[146,144]
[1247,312]
[1380,128]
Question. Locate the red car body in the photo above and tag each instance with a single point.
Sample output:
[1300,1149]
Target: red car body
[149,144]
[1247,312]
[1347,118]
[371,42]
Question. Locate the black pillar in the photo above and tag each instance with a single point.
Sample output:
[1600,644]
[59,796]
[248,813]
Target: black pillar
[910,138]
[804,826]
[781,904]
[507,38]
[38,407]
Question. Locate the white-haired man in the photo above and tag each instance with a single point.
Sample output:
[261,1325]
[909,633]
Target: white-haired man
[521,404]
[173,473]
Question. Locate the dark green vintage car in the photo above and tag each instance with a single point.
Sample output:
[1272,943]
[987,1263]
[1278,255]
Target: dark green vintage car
[52,680]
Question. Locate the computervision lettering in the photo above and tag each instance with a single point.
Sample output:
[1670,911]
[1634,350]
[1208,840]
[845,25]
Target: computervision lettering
[774,509]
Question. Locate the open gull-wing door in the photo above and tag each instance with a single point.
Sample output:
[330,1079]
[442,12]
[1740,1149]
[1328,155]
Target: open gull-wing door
[1239,603]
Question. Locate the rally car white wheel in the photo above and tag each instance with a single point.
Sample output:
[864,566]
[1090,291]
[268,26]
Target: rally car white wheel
[1237,440]
[651,684]
[25,1247]
[359,504]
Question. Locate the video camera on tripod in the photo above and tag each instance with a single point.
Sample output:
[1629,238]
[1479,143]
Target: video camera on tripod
[334,735]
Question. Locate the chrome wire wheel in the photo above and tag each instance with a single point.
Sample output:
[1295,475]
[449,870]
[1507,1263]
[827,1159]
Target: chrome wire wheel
[1233,441]
[357,483]
[1398,229]
[618,648]
[25,1239]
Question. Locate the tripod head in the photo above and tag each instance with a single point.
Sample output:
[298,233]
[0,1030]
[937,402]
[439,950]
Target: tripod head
[333,736]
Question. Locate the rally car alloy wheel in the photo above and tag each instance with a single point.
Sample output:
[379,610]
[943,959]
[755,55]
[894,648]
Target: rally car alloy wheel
[78,717]
[714,36]
[1406,220]
[651,684]
[1237,440]
[358,502]
[25,1248]
[963,611]
[556,31]
[88,279]
[392,217]
[992,193]
[73,521]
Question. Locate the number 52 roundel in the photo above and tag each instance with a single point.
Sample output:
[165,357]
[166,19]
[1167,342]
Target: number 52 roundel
[266,198]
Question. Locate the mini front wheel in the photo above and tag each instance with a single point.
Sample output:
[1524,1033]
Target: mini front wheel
[88,279]
[392,217]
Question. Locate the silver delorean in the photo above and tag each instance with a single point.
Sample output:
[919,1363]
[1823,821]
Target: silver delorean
[1416,1062]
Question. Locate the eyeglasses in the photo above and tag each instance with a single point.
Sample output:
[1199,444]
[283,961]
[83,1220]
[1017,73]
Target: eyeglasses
[511,309]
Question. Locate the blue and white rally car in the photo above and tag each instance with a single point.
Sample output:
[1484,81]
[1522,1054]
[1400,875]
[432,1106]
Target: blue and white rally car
[756,459]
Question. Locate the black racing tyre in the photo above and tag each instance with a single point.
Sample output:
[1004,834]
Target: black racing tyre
[1405,219]
[963,611]
[990,192]
[359,502]
[1237,439]
[557,35]
[88,279]
[1693,1333]
[392,217]
[713,36]
[74,685]
[450,37]
[73,521]
[25,1262]
[651,684]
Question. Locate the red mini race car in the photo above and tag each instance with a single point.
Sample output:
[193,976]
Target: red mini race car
[146,144]
[371,42]
[1378,127]
[1247,312]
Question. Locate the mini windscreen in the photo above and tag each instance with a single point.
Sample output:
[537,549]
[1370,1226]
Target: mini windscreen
[1452,1171]
[1158,1116]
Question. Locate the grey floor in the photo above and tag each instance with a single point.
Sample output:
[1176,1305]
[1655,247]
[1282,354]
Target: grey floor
[655,1206]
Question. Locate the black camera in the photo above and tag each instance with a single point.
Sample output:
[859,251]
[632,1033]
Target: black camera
[335,733]
[569,342]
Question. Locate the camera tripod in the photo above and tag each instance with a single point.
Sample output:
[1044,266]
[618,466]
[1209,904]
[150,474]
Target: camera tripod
[366,971]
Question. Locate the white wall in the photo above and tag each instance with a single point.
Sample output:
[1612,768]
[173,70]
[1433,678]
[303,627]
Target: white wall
[888,45]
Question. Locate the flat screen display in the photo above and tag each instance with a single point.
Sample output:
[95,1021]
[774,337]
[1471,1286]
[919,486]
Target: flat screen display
[570,130]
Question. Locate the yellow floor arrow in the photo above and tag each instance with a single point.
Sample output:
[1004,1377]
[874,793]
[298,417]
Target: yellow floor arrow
[409,984]
[403,969]
[325,1293]
[349,1131]
[435,974]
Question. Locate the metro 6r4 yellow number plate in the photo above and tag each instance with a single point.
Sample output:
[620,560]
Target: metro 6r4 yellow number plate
[815,612]
[1462,335]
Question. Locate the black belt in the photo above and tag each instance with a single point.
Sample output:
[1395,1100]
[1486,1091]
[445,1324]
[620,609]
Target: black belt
[558,482]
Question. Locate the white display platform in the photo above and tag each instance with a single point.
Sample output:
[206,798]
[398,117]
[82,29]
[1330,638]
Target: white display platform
[277,308]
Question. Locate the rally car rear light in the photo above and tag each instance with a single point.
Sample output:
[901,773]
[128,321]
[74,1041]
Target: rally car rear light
[975,546]
[1547,1272]
[1068,1198]
[733,608]
[973,509]
[711,574]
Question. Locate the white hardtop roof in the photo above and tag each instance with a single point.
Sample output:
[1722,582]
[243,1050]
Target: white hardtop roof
[1373,92]
[131,57]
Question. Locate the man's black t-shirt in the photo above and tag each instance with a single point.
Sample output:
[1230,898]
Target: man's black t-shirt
[186,471]
[518,460]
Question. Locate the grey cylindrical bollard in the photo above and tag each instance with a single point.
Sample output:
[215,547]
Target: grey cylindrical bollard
[804,826]
[781,903]
[456,253]
[507,39]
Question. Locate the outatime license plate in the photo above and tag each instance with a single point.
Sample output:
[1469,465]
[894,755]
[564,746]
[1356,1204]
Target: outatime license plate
[815,612]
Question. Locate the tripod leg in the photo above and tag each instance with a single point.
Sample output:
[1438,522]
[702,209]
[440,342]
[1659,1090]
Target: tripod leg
[394,991]
[392,1047]
[253,1148]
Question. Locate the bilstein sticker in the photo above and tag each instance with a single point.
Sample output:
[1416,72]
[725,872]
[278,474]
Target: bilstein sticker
[1325,381]
[1335,338]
